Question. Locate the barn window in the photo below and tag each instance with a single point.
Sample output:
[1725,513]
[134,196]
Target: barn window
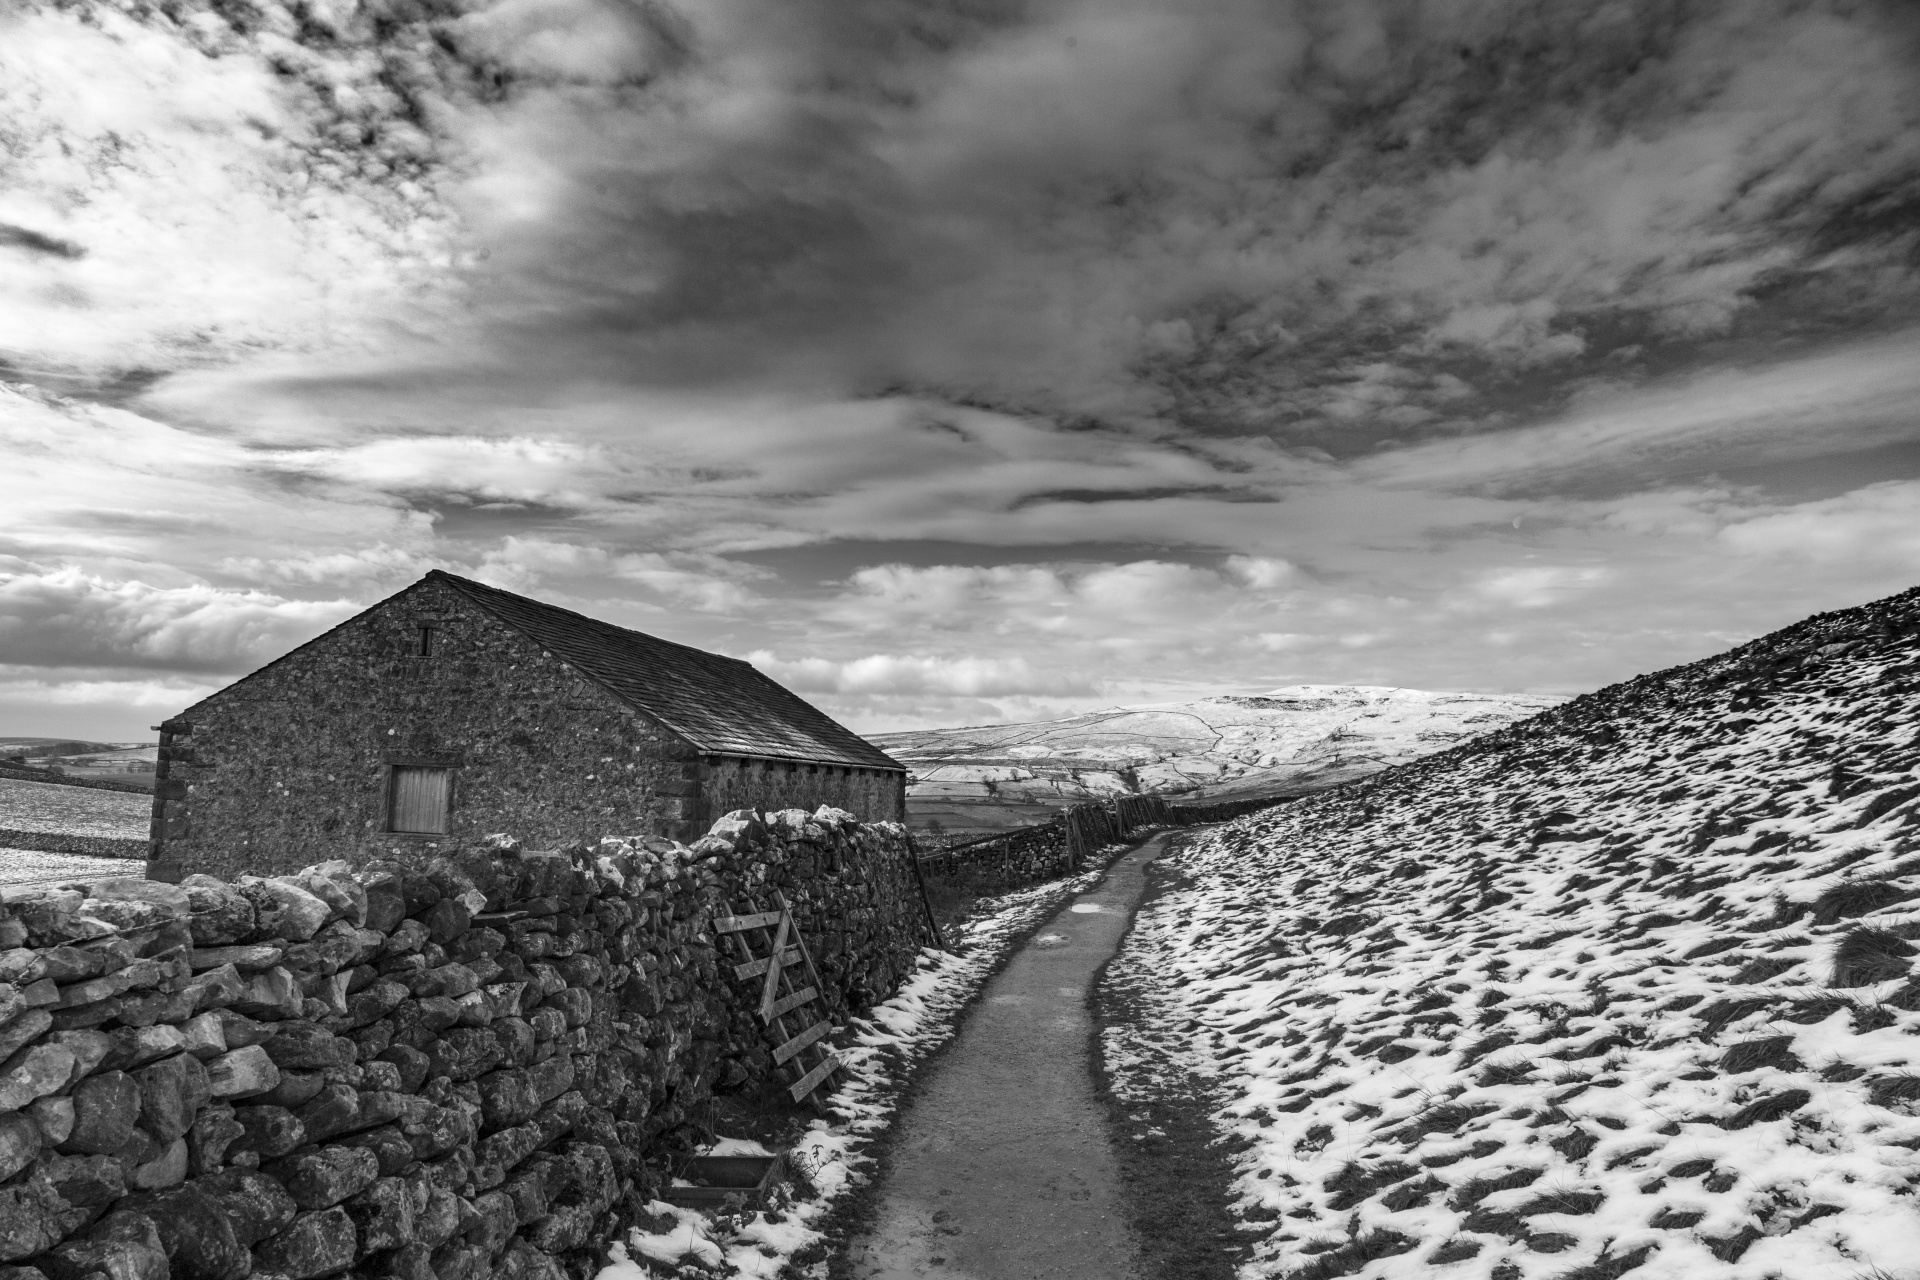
[424,648]
[417,799]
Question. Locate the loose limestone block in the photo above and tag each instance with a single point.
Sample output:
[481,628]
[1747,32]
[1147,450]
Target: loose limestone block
[214,1130]
[452,980]
[123,1246]
[497,1222]
[333,884]
[85,1180]
[34,1073]
[447,920]
[105,1109]
[373,1003]
[125,916]
[242,1073]
[168,1169]
[155,1007]
[219,915]
[297,1088]
[409,1262]
[20,1141]
[205,1036]
[54,1116]
[217,988]
[131,1047]
[172,1092]
[435,1224]
[247,959]
[272,994]
[23,1030]
[301,914]
[303,1046]
[413,1065]
[388,1145]
[464,1053]
[241,1031]
[317,1177]
[436,1131]
[196,1233]
[405,938]
[386,904]
[501,1152]
[48,916]
[333,1110]
[174,898]
[256,1206]
[317,1244]
[90,1049]
[269,1131]
[382,1076]
[383,1213]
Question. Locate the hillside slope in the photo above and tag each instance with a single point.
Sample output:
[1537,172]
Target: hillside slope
[1291,740]
[1624,989]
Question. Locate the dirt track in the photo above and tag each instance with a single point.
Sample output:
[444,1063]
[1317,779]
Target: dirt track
[1004,1169]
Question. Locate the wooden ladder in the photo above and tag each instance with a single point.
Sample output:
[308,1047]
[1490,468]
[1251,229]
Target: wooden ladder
[770,948]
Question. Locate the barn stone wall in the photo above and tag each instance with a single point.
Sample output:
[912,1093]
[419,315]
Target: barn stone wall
[470,1067]
[291,764]
[731,782]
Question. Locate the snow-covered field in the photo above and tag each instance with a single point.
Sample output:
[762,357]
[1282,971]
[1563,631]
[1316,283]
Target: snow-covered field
[1241,743]
[881,1053]
[1624,990]
[79,811]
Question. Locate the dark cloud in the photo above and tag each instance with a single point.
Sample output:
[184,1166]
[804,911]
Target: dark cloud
[38,242]
[1334,224]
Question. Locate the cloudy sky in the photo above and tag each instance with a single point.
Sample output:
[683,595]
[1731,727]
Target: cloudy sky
[956,360]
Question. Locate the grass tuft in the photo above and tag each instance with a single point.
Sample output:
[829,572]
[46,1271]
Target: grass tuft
[1855,898]
[1869,956]
[1754,1055]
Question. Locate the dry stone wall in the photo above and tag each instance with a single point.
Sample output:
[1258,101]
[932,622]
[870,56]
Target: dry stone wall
[474,1067]
[1058,846]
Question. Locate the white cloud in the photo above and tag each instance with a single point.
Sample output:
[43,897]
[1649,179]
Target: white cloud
[66,618]
[1877,525]
[883,673]
[196,197]
[1537,587]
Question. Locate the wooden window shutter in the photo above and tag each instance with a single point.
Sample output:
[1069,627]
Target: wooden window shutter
[418,800]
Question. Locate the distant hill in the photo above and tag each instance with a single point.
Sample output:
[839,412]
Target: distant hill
[1292,740]
[1625,989]
[34,748]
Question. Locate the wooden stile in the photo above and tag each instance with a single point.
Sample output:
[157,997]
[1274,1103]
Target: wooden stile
[769,946]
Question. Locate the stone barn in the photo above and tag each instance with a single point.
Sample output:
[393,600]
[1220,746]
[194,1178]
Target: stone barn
[454,709]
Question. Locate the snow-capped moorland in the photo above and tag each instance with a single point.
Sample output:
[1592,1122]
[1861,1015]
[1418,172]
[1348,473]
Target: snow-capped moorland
[1623,989]
[1264,742]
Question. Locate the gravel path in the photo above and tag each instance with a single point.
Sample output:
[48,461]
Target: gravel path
[1005,1170]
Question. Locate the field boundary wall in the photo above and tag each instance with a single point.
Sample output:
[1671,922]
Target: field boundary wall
[63,842]
[480,1066]
[67,780]
[1063,843]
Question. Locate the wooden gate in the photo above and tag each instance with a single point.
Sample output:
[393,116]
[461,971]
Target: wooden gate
[792,1006]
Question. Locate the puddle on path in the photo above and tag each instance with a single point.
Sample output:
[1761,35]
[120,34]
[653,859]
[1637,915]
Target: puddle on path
[1086,908]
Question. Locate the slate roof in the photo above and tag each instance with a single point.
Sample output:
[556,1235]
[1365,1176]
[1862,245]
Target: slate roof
[721,705]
